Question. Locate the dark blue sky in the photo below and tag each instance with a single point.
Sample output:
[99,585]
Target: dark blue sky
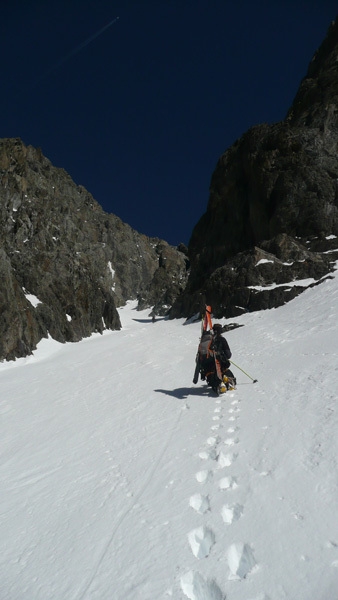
[140,114]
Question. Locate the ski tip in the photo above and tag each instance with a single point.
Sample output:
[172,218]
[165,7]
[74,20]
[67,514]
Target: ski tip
[255,381]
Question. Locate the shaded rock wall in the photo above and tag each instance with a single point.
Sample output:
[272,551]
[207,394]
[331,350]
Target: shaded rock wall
[65,264]
[279,179]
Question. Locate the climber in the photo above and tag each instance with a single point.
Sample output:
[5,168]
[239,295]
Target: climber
[222,351]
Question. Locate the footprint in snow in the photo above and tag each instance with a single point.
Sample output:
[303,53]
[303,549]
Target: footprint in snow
[212,441]
[201,541]
[231,441]
[225,460]
[331,544]
[203,476]
[231,513]
[199,503]
[205,454]
[227,483]
[241,561]
[232,429]
[195,587]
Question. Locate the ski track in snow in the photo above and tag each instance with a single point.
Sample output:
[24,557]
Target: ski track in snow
[125,513]
[119,490]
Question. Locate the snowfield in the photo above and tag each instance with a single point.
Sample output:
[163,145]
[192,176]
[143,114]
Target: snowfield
[121,480]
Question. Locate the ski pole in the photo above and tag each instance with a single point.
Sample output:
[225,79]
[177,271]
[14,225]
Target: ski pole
[253,380]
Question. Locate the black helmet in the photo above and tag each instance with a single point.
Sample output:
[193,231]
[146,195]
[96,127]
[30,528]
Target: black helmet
[217,328]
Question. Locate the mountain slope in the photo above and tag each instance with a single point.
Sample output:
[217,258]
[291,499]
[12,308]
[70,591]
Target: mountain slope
[122,480]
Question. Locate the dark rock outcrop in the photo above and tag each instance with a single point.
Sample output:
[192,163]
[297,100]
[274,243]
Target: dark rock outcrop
[169,280]
[65,264]
[277,180]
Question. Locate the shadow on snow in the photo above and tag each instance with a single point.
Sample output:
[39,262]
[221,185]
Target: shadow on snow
[184,392]
[150,320]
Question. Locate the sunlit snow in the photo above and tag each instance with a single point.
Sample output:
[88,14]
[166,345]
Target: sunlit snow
[121,480]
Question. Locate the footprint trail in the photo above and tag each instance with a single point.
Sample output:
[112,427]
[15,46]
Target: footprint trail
[218,479]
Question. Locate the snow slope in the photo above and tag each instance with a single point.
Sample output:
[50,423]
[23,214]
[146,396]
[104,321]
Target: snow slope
[121,480]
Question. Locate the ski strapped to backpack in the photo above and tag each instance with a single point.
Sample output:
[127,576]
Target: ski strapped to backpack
[206,325]
[205,350]
[208,363]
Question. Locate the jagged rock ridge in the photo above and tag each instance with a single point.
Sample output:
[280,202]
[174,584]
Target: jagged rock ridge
[274,191]
[65,264]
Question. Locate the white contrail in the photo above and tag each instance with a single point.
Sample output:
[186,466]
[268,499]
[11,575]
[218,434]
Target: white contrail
[85,43]
[78,48]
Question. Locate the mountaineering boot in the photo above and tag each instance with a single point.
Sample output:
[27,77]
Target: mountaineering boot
[229,382]
[218,386]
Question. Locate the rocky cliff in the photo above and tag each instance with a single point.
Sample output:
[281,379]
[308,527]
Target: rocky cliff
[272,215]
[65,264]
[270,230]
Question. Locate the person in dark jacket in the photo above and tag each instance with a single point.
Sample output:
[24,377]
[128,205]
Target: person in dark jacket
[223,352]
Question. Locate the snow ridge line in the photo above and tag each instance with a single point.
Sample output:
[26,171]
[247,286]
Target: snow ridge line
[202,540]
[136,498]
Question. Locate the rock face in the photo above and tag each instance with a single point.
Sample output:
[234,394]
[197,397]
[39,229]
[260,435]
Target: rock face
[273,197]
[65,264]
[270,231]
